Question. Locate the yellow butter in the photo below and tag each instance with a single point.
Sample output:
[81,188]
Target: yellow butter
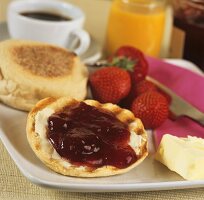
[182,155]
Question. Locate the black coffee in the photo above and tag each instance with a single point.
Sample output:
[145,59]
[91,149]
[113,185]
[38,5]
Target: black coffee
[46,16]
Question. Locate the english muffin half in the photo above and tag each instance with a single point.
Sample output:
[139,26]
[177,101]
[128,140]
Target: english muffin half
[86,138]
[31,71]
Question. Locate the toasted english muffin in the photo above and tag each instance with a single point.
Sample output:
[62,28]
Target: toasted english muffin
[39,122]
[31,71]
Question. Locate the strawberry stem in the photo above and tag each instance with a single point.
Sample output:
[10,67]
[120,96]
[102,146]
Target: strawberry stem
[123,62]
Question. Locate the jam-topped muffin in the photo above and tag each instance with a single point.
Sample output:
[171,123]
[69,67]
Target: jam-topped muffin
[87,138]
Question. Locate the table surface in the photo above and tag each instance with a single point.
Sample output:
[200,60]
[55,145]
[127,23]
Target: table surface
[13,185]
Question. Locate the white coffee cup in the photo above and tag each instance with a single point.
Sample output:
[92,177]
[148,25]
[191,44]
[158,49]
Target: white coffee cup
[55,32]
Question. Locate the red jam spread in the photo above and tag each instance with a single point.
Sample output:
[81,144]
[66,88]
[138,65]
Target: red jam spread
[89,136]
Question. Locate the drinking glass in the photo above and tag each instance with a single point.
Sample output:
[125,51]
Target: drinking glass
[139,23]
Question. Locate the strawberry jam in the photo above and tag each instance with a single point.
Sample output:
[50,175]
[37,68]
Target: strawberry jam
[88,136]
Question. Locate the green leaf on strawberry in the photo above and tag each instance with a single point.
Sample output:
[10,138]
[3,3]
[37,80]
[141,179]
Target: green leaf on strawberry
[132,60]
[123,62]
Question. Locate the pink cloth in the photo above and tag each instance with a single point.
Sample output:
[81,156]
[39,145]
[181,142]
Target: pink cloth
[189,86]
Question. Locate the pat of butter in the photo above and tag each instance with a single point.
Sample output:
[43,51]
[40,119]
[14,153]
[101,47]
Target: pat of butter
[185,156]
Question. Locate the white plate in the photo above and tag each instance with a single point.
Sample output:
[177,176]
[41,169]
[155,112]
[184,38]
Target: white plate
[150,175]
[90,56]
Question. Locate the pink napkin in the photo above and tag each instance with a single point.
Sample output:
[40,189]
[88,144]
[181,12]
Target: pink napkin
[189,86]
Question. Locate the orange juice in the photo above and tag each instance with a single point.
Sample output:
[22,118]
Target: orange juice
[140,26]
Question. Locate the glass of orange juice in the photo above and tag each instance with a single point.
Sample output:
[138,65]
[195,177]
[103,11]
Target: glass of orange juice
[139,23]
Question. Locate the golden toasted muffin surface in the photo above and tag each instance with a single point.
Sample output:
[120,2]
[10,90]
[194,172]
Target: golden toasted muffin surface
[44,60]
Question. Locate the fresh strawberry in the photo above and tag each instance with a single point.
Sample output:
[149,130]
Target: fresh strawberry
[129,52]
[127,101]
[110,84]
[152,108]
[131,59]
[144,86]
[168,98]
[136,90]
